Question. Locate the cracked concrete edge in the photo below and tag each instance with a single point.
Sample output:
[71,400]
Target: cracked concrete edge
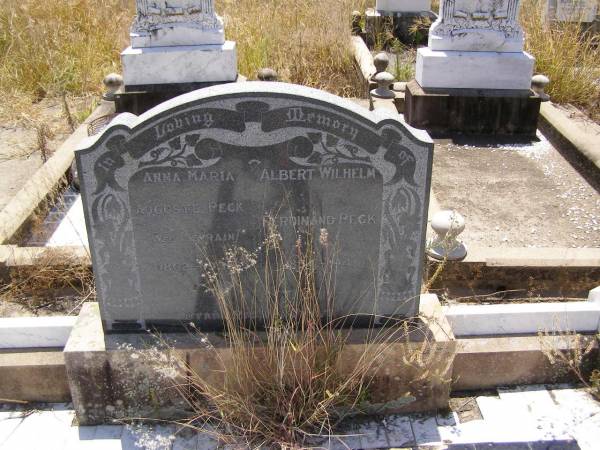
[363,58]
[586,144]
[534,257]
[20,208]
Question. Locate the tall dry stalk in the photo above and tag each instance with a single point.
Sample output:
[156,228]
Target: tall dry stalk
[298,377]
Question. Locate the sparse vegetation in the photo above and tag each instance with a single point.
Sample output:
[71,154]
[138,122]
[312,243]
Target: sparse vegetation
[67,46]
[299,377]
[581,359]
[57,46]
[55,280]
[568,56]
[306,41]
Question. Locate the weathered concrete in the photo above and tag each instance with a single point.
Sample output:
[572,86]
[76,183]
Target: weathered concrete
[36,376]
[585,142]
[488,362]
[471,278]
[115,376]
[480,363]
[364,59]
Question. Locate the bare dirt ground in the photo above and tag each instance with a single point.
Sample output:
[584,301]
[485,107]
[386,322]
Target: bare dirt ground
[29,137]
[519,195]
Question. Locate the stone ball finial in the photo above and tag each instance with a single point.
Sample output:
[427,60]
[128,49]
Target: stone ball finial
[448,225]
[538,85]
[112,82]
[381,62]
[267,74]
[384,80]
[356,23]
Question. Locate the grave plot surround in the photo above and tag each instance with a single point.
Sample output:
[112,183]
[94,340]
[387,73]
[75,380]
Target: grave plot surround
[200,173]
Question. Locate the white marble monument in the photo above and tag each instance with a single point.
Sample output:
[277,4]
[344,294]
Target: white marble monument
[475,44]
[178,42]
[402,6]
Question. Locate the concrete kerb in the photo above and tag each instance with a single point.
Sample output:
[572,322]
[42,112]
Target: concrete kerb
[595,295]
[534,257]
[110,375]
[558,123]
[45,180]
[480,362]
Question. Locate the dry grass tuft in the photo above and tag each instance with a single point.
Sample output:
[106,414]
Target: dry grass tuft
[53,276]
[580,358]
[300,377]
[568,56]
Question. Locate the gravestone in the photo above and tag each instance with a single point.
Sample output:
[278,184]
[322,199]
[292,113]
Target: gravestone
[475,45]
[201,173]
[474,77]
[177,42]
[572,10]
[177,46]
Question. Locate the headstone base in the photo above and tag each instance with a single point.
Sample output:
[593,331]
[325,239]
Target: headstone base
[119,376]
[474,70]
[139,99]
[471,111]
[179,64]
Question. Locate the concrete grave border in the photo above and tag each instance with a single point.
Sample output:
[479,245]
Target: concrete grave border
[484,359]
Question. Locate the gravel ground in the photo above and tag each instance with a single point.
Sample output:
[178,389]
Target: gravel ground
[517,195]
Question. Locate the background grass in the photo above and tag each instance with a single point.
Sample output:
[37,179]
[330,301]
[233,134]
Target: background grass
[55,46]
[569,57]
[52,47]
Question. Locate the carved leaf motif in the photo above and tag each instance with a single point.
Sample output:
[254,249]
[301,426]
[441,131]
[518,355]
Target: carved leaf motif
[315,158]
[192,139]
[331,140]
[175,144]
[315,137]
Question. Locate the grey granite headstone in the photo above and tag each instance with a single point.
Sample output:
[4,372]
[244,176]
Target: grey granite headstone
[201,172]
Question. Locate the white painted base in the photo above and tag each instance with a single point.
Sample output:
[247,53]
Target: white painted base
[71,231]
[185,64]
[176,36]
[35,332]
[403,5]
[474,70]
[523,318]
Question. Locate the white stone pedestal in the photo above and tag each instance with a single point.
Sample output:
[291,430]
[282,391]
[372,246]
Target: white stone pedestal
[179,64]
[474,70]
